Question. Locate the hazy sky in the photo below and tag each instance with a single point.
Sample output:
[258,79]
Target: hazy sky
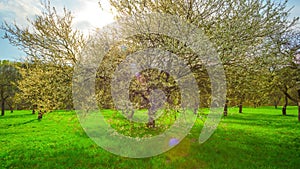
[87,17]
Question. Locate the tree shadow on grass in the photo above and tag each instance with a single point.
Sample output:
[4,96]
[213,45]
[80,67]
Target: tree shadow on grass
[264,120]
[19,124]
[288,115]
[255,117]
[13,116]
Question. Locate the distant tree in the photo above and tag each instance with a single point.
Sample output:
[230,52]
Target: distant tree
[9,76]
[52,46]
[286,70]
[46,86]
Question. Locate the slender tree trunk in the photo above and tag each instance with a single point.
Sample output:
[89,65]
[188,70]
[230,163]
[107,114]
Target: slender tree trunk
[276,102]
[226,108]
[296,100]
[2,107]
[241,106]
[34,108]
[40,115]
[284,106]
[255,104]
[129,114]
[298,104]
[11,107]
[151,121]
[299,110]
[2,103]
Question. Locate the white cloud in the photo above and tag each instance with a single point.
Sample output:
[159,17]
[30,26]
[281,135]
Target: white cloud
[19,10]
[87,13]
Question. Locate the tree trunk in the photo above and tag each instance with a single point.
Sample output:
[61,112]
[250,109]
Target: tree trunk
[284,106]
[299,110]
[2,107]
[241,103]
[131,114]
[2,103]
[284,110]
[296,100]
[34,107]
[11,107]
[255,104]
[226,108]
[276,102]
[298,104]
[40,115]
[151,121]
[241,107]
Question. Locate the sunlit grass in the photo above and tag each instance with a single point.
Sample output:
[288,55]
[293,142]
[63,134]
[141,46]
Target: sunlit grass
[257,138]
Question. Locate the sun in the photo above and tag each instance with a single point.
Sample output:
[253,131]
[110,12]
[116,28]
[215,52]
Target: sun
[91,16]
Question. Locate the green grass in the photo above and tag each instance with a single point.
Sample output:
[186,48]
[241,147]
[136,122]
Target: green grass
[137,127]
[258,138]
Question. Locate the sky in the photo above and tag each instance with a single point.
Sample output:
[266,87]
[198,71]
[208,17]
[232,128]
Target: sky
[87,17]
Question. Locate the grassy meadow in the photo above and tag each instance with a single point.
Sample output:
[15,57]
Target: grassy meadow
[258,138]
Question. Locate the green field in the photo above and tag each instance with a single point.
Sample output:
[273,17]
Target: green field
[258,138]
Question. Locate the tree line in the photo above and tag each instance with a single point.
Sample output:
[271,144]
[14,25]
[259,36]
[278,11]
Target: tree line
[256,41]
